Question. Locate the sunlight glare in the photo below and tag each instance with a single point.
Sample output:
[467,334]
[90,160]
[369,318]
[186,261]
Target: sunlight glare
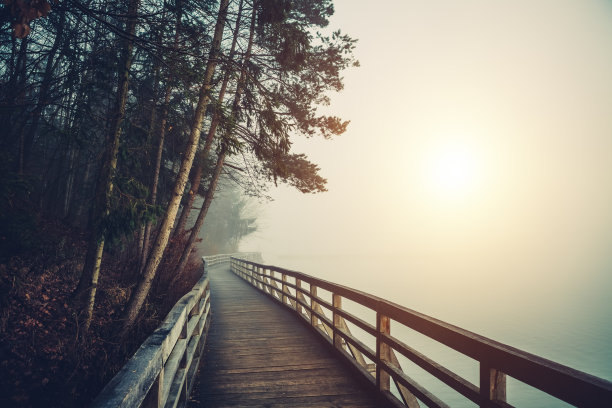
[452,170]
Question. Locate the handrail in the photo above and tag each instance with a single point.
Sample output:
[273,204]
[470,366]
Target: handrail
[162,371]
[496,359]
[212,260]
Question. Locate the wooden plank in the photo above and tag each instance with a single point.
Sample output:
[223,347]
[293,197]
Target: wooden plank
[259,354]
[175,391]
[383,326]
[284,400]
[171,367]
[570,385]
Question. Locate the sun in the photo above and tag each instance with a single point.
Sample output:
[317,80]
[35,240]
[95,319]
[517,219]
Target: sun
[452,170]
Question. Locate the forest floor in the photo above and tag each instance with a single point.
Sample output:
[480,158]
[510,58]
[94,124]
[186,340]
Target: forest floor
[44,358]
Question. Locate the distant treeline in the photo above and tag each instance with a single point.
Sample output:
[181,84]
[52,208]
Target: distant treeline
[114,116]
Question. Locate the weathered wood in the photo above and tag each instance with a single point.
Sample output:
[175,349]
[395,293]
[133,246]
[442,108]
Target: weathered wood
[298,288]
[340,333]
[284,288]
[258,354]
[492,385]
[565,383]
[407,396]
[313,305]
[401,378]
[460,384]
[357,348]
[362,324]
[337,304]
[148,377]
[383,351]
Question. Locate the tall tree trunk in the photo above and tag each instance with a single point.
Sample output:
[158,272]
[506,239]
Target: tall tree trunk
[155,180]
[142,234]
[210,193]
[144,285]
[197,174]
[104,186]
[160,144]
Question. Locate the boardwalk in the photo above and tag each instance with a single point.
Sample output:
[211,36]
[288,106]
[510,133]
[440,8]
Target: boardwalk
[259,355]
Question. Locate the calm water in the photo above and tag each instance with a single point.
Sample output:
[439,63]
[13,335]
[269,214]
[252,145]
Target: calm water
[564,317]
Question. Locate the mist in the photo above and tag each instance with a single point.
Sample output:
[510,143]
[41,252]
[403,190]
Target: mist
[516,238]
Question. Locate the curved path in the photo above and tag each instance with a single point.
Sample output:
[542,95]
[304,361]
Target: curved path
[259,355]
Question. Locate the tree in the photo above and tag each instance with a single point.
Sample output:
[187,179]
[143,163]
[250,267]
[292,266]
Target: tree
[273,147]
[104,186]
[103,103]
[144,285]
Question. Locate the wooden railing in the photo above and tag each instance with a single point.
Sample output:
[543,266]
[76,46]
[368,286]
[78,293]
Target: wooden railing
[162,372]
[212,260]
[299,292]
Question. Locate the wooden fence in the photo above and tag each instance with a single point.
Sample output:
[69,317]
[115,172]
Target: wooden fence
[299,292]
[213,260]
[162,372]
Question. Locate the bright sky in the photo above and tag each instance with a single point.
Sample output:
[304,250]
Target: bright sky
[480,130]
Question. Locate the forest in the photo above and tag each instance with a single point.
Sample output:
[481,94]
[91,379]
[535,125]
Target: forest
[120,122]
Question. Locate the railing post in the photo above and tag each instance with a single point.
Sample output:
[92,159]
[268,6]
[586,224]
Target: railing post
[337,304]
[153,398]
[313,304]
[298,293]
[284,288]
[383,352]
[492,385]
[264,280]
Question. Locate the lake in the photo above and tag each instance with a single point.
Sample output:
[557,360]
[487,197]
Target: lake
[562,316]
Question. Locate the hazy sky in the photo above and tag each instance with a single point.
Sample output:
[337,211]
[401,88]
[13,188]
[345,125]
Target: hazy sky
[481,132]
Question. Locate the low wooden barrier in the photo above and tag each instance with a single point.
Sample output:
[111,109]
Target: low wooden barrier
[298,292]
[162,372]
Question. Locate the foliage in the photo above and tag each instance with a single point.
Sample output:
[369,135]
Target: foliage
[229,220]
[59,79]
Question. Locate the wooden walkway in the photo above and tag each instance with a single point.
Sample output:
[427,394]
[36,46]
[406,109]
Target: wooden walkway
[259,355]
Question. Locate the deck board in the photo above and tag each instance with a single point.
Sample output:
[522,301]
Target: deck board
[258,354]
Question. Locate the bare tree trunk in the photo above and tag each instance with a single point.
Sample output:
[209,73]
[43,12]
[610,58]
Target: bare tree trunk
[197,174]
[143,232]
[104,187]
[160,146]
[140,237]
[144,285]
[210,193]
[155,181]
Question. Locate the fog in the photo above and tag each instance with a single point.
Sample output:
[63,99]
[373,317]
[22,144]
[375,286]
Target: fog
[474,181]
[523,86]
